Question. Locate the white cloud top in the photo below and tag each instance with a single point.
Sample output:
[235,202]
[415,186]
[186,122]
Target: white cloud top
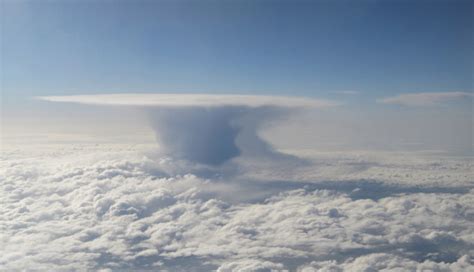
[114,208]
[424,99]
[188,100]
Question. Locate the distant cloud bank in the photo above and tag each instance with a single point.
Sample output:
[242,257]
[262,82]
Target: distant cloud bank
[424,99]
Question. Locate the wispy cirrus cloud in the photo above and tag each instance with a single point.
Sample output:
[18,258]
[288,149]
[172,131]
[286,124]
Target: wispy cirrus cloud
[424,99]
[347,92]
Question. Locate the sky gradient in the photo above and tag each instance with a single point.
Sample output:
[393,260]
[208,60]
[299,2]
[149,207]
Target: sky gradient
[307,48]
[376,58]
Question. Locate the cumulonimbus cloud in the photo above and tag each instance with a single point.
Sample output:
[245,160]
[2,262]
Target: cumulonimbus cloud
[424,99]
[204,128]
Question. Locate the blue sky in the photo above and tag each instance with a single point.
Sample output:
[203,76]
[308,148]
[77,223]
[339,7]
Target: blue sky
[372,50]
[308,48]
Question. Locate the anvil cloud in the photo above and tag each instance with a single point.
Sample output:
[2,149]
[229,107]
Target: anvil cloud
[191,100]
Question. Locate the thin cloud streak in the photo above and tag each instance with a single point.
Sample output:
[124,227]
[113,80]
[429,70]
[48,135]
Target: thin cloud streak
[347,92]
[424,99]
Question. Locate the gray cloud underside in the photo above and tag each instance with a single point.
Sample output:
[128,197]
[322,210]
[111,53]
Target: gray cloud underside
[213,136]
[88,207]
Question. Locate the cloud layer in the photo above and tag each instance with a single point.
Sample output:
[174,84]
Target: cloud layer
[424,99]
[120,207]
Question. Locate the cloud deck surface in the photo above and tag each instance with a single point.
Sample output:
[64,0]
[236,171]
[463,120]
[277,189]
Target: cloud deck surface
[88,207]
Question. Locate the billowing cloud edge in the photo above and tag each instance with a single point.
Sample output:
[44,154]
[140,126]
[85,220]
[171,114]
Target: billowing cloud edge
[192,100]
[424,99]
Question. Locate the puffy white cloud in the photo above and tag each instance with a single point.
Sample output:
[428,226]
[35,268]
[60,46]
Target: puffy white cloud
[388,262]
[424,99]
[118,207]
[250,265]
